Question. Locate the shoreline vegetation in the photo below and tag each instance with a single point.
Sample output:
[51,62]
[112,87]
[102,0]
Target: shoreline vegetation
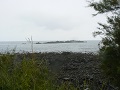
[56,42]
[52,71]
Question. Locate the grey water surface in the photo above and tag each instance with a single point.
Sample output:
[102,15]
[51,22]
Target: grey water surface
[24,46]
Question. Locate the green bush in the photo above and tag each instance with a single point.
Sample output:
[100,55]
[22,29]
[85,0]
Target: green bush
[27,74]
[24,75]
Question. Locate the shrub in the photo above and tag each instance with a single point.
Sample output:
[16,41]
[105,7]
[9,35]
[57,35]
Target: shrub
[24,75]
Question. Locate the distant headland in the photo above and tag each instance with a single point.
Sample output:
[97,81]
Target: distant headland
[68,41]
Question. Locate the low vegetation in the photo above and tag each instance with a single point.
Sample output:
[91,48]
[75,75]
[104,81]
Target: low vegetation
[23,75]
[27,74]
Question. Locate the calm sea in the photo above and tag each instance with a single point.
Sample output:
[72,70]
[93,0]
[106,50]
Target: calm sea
[24,46]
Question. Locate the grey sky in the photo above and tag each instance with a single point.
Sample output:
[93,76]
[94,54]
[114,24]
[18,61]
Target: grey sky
[47,20]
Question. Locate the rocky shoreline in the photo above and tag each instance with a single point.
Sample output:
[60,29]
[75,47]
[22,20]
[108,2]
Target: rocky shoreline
[76,68]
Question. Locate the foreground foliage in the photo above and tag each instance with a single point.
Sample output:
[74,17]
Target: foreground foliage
[110,44]
[23,75]
[27,74]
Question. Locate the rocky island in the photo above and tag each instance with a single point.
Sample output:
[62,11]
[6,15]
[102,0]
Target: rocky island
[69,41]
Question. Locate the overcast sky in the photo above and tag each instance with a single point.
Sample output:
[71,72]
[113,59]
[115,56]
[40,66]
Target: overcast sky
[47,20]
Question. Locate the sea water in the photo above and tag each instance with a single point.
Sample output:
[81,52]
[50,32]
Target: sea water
[24,46]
